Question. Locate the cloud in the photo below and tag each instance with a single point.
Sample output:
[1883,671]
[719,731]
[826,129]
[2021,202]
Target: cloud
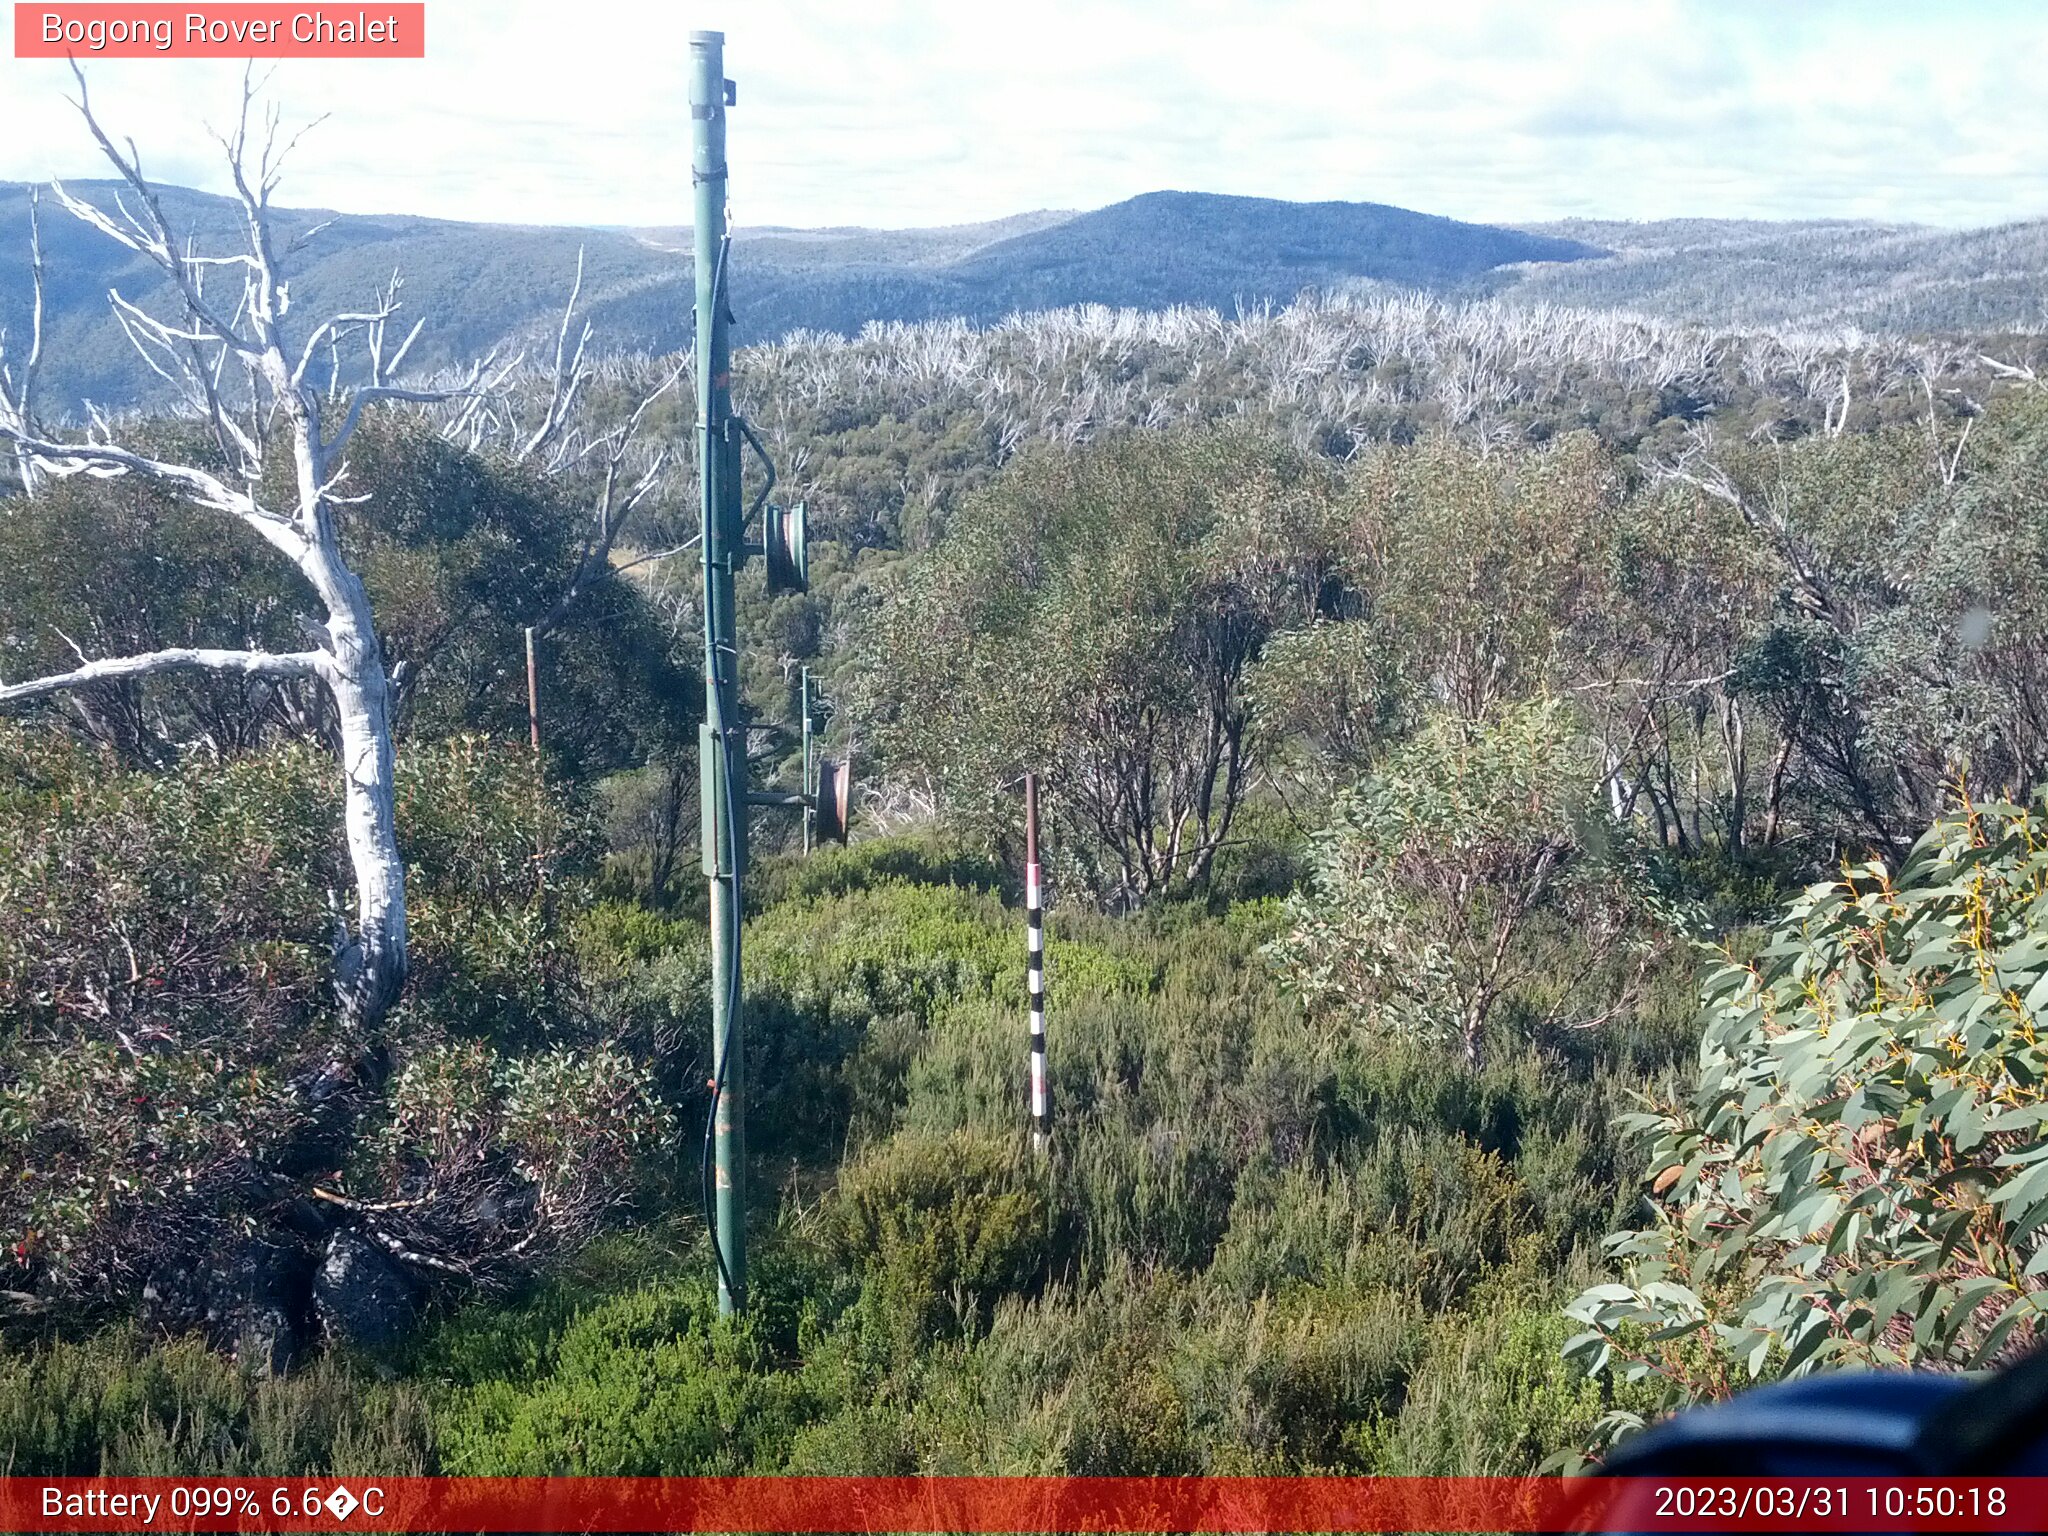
[917,111]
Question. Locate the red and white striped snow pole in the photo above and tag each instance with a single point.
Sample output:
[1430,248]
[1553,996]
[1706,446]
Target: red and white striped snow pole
[1034,913]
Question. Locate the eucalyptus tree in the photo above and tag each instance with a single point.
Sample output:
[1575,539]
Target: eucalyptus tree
[1900,650]
[1855,1177]
[276,469]
[1468,580]
[1475,861]
[1093,616]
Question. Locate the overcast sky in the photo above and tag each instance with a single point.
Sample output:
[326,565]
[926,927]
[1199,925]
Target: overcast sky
[915,112]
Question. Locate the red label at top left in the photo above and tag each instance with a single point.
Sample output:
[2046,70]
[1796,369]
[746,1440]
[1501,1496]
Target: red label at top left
[239,31]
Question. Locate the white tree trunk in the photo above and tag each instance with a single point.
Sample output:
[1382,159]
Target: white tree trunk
[370,965]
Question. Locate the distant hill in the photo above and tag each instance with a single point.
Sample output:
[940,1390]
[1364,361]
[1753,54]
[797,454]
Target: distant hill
[1185,247]
[482,284]
[798,249]
[475,282]
[1813,275]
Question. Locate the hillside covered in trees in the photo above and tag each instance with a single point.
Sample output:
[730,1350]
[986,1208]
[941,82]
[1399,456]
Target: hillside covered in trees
[1824,274]
[502,286]
[1476,739]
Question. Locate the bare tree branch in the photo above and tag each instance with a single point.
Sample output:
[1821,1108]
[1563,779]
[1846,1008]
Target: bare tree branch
[2020,373]
[660,554]
[568,375]
[380,369]
[1695,468]
[329,327]
[103,461]
[153,239]
[369,395]
[610,514]
[18,399]
[125,668]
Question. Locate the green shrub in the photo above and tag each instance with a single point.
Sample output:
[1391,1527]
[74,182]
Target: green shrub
[618,1367]
[1149,1373]
[1472,861]
[943,1227]
[163,1000]
[1264,859]
[613,935]
[173,1069]
[1859,1174]
[1423,1214]
[115,1405]
[887,948]
[847,988]
[902,860]
[489,847]
[646,1384]
[1316,1369]
[1491,1397]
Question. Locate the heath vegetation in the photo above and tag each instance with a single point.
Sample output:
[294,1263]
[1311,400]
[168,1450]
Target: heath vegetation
[1544,836]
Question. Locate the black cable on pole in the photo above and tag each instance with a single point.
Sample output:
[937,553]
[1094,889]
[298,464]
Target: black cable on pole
[732,1000]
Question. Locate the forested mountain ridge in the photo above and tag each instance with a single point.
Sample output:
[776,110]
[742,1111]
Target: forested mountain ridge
[483,285]
[1188,247]
[476,282]
[1820,273]
[780,245]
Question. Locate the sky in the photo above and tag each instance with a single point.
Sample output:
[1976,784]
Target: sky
[903,113]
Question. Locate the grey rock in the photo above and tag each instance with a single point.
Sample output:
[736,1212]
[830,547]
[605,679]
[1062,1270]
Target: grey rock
[248,1297]
[361,1297]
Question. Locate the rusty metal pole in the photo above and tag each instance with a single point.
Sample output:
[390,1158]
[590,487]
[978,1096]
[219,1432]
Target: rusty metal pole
[810,812]
[532,693]
[1034,960]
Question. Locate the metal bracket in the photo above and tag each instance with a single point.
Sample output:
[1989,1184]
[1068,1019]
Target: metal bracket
[761,496]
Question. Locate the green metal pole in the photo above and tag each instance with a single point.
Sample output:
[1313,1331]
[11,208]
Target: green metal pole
[809,787]
[722,744]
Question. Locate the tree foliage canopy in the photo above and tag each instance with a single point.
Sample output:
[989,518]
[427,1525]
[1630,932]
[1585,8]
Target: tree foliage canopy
[1445,880]
[458,550]
[1092,617]
[172,1059]
[1859,1174]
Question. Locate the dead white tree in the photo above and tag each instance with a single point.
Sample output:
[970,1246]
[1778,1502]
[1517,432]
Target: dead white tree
[567,441]
[562,447]
[18,391]
[251,384]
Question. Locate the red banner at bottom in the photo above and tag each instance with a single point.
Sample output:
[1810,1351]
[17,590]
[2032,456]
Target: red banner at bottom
[1022,1504]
